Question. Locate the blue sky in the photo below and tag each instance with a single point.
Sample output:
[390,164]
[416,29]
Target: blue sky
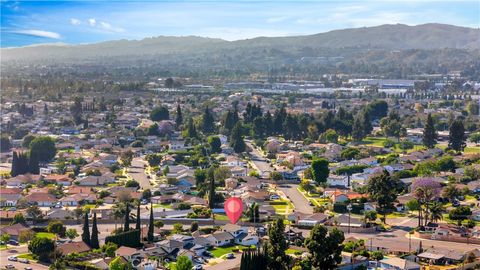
[76,22]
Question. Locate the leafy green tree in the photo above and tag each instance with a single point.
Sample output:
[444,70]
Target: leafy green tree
[215,144]
[56,227]
[429,133]
[276,246]
[450,192]
[456,137]
[383,190]
[41,247]
[27,140]
[325,247]
[126,158]
[194,226]
[183,263]
[392,126]
[236,139]
[329,136]
[43,147]
[5,237]
[475,137]
[460,213]
[94,239]
[320,170]
[18,218]
[71,233]
[177,228]
[159,113]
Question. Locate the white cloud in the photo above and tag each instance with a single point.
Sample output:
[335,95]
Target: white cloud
[108,27]
[92,22]
[74,21]
[38,33]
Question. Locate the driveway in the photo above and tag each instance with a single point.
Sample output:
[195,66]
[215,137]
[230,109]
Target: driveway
[137,172]
[301,204]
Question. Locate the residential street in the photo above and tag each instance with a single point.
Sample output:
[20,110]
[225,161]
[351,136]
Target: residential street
[301,204]
[13,251]
[259,162]
[137,172]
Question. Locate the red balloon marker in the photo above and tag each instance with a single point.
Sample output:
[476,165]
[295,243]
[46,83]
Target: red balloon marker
[233,207]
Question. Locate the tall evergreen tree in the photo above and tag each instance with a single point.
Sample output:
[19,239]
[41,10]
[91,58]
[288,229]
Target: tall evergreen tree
[14,170]
[367,123]
[211,192]
[236,139]
[94,239]
[126,225]
[33,166]
[456,138]
[429,133]
[138,225]
[208,122]
[179,116]
[150,225]
[191,131]
[86,230]
[268,123]
[357,129]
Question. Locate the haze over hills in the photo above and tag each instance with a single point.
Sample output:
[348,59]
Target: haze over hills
[387,49]
[394,37]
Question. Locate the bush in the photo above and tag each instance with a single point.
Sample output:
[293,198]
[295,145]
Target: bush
[132,183]
[339,208]
[129,239]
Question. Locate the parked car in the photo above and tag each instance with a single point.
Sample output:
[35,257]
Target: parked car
[207,254]
[28,268]
[197,267]
[274,197]
[9,266]
[230,256]
[12,258]
[13,242]
[23,260]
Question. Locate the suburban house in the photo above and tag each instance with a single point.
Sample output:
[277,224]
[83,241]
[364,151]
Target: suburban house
[396,263]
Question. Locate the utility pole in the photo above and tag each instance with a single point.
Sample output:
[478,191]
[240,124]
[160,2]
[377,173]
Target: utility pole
[349,208]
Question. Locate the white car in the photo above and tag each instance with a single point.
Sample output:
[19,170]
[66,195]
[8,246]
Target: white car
[197,267]
[12,258]
[274,197]
[24,261]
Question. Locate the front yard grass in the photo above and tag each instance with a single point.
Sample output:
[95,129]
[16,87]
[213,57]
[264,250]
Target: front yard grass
[282,207]
[46,235]
[220,251]
[28,256]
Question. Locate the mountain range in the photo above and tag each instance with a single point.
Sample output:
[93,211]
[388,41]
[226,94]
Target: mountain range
[428,45]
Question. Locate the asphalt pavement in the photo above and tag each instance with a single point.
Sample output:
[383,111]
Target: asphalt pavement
[301,203]
[137,172]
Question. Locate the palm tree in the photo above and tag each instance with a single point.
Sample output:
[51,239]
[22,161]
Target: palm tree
[436,211]
[118,212]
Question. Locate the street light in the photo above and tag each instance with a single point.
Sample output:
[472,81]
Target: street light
[349,208]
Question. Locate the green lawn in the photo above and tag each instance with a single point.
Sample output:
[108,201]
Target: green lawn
[46,235]
[221,217]
[26,256]
[282,209]
[220,251]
